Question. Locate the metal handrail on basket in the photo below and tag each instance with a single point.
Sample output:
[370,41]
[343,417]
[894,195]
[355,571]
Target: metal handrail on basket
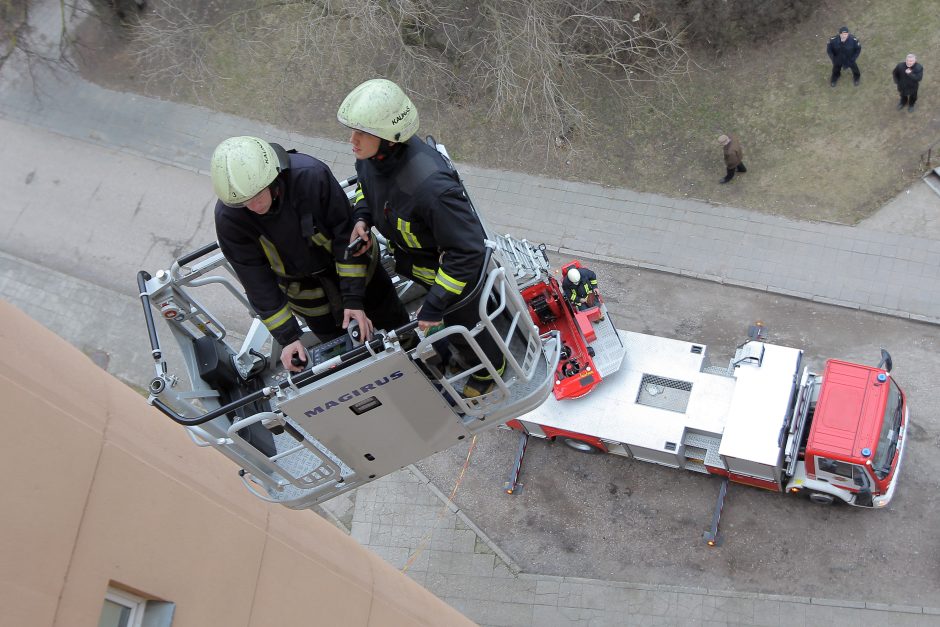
[315,373]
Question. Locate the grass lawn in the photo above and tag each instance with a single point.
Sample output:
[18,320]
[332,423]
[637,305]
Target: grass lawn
[812,152]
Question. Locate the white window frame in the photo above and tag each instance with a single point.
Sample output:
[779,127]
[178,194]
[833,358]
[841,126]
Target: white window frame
[133,602]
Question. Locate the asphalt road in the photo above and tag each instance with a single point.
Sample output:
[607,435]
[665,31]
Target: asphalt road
[609,517]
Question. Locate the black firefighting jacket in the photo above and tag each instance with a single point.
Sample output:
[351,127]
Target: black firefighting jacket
[304,234]
[417,203]
[577,294]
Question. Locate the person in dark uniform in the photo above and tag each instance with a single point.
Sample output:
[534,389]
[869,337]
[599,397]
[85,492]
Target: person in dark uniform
[283,222]
[907,76]
[416,201]
[731,149]
[580,288]
[843,50]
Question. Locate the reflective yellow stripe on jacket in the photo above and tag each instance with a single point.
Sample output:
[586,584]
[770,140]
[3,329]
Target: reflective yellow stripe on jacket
[449,283]
[411,240]
[323,241]
[294,292]
[423,274]
[273,322]
[352,270]
[274,259]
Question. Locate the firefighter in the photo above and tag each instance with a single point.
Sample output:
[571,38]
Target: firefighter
[283,222]
[580,288]
[416,201]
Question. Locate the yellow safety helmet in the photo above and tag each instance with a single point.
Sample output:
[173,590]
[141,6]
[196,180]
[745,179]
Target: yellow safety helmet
[380,107]
[243,166]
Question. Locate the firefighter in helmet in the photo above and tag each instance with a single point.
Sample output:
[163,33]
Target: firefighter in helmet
[283,222]
[580,287]
[416,201]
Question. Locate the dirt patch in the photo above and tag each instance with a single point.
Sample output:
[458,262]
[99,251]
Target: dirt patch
[812,152]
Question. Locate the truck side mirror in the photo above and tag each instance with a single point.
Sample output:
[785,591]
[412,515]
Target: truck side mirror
[885,360]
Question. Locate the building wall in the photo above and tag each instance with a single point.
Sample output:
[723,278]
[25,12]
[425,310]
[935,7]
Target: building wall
[99,489]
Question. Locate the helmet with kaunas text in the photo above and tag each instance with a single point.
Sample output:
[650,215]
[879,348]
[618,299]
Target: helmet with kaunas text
[243,166]
[380,107]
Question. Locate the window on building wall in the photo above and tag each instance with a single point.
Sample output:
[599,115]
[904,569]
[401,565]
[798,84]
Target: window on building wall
[124,609]
[121,609]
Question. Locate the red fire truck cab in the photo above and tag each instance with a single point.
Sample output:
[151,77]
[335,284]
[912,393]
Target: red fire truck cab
[856,437]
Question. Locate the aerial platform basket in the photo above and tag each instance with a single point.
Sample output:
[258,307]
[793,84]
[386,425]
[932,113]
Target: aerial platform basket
[359,412]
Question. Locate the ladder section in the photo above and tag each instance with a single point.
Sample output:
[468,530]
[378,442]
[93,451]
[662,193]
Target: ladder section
[527,263]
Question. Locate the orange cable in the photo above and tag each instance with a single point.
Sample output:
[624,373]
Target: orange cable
[422,544]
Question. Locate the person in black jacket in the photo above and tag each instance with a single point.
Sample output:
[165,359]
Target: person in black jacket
[843,50]
[283,222]
[907,76]
[416,201]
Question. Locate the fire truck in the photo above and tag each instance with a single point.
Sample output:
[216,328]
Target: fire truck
[764,419]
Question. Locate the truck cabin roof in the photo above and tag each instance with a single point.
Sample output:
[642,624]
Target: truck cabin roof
[849,411]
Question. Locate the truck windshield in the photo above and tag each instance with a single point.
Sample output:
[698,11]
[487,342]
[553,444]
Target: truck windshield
[888,439]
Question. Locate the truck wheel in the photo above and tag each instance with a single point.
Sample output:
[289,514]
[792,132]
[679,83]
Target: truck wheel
[580,445]
[820,498]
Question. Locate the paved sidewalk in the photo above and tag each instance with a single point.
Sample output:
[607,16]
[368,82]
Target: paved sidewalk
[405,518]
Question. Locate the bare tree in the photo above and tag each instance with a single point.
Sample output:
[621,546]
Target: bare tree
[313,41]
[540,59]
[536,64]
[175,46]
[405,40]
[40,31]
[18,34]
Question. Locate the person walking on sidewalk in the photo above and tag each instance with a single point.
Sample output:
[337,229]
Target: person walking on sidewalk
[907,76]
[283,222]
[843,50]
[733,154]
[416,201]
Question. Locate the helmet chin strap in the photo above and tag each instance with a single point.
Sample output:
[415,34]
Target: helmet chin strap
[276,187]
[386,149]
